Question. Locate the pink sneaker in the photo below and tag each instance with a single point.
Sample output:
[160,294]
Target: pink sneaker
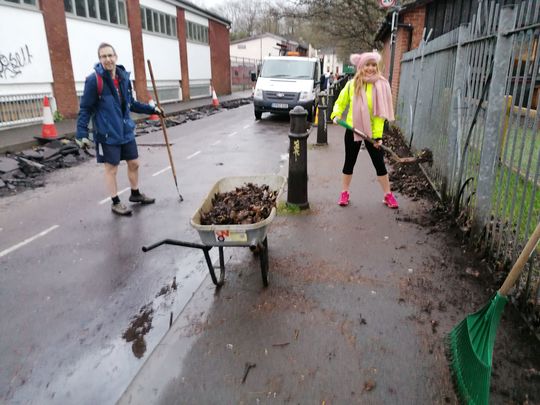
[390,201]
[344,199]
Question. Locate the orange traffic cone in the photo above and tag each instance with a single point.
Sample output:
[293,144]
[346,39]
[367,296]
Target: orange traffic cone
[215,101]
[48,130]
[153,117]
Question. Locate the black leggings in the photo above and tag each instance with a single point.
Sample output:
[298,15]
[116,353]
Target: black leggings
[351,154]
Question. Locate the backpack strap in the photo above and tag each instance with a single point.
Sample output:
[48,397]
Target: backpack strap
[99,81]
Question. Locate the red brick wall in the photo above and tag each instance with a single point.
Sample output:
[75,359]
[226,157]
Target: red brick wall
[54,18]
[416,18]
[135,30]
[181,31]
[220,57]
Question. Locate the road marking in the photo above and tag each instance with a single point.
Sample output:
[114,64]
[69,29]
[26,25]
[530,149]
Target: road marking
[215,143]
[109,198]
[233,134]
[247,126]
[193,154]
[161,171]
[27,241]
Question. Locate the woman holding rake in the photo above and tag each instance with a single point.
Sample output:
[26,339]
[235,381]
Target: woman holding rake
[369,101]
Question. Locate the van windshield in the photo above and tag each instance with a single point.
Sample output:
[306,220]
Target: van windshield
[287,69]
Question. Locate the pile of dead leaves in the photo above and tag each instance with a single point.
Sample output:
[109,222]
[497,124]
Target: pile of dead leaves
[244,205]
[407,178]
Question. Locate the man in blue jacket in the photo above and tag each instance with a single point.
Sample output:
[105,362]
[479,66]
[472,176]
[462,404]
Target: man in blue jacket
[108,100]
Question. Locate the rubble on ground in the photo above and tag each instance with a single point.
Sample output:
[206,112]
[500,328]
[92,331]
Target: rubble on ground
[27,169]
[147,126]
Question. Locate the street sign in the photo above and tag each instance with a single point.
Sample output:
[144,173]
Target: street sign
[387,3]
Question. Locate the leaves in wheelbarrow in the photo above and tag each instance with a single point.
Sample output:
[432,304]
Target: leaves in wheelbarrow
[248,204]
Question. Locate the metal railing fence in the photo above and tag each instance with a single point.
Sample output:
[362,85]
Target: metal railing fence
[21,109]
[471,96]
[241,69]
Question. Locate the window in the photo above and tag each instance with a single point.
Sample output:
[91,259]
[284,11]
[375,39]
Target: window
[68,6]
[143,20]
[113,11]
[197,32]
[158,22]
[122,13]
[23,2]
[149,25]
[113,15]
[103,14]
[92,9]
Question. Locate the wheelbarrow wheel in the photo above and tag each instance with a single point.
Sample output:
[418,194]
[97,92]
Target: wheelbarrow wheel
[263,256]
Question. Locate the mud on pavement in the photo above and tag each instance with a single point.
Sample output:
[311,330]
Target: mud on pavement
[447,290]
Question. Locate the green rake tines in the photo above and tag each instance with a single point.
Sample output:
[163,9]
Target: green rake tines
[470,349]
[470,343]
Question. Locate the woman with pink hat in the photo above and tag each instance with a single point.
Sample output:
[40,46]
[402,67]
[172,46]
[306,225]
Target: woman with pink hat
[369,100]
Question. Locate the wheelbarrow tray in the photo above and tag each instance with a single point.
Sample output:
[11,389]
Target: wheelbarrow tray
[236,235]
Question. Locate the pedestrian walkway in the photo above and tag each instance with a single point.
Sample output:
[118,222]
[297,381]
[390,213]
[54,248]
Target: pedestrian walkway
[339,322]
[19,138]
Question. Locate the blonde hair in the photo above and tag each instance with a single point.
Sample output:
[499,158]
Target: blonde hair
[359,80]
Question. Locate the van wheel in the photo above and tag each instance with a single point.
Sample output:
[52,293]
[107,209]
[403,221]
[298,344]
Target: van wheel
[258,115]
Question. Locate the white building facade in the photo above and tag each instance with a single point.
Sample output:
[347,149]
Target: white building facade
[49,47]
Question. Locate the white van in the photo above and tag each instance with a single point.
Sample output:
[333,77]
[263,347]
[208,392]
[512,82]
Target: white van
[285,82]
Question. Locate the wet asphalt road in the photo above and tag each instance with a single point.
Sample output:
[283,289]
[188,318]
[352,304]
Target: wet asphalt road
[73,276]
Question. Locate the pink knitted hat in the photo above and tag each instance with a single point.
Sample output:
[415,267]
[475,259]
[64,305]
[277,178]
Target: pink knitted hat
[360,59]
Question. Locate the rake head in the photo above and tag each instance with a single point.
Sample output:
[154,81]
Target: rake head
[470,352]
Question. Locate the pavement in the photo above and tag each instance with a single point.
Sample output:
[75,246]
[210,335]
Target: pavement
[338,323]
[359,301]
[19,138]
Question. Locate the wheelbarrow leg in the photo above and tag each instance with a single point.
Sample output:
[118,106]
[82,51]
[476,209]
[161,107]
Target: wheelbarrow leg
[211,267]
[263,256]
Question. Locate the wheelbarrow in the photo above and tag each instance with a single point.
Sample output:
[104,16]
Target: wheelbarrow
[253,236]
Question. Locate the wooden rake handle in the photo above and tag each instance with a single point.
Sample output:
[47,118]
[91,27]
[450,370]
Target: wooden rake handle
[520,262]
[163,126]
[368,139]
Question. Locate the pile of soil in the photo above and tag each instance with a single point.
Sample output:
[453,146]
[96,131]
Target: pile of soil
[244,205]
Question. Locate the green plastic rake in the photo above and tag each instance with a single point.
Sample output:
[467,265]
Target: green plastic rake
[470,343]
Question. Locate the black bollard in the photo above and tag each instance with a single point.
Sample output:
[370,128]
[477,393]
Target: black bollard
[329,103]
[297,183]
[322,128]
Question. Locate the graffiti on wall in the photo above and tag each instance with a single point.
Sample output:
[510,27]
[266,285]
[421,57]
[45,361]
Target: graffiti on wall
[12,63]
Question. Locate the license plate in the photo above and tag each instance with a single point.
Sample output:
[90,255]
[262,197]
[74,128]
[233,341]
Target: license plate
[279,105]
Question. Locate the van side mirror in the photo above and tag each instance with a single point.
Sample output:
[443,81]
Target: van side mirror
[253,76]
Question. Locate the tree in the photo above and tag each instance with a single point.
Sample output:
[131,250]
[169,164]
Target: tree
[347,25]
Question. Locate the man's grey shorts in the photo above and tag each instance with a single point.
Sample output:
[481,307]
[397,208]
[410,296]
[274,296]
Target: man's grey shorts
[113,154]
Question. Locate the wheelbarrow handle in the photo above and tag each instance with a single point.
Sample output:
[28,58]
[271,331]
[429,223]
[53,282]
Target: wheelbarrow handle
[176,243]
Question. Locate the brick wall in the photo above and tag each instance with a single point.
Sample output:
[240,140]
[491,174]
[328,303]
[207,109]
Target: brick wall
[54,19]
[416,18]
[135,31]
[219,56]
[181,31]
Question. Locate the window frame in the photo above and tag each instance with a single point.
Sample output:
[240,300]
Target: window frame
[21,4]
[103,16]
[162,19]
[197,33]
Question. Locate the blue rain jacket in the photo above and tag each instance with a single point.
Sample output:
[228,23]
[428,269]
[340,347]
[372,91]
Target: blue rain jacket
[110,115]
